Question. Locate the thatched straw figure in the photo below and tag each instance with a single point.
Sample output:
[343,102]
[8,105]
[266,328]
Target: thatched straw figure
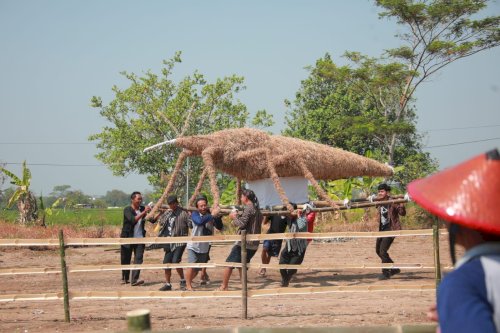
[250,154]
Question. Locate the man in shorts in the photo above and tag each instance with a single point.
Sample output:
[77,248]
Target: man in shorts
[174,224]
[202,224]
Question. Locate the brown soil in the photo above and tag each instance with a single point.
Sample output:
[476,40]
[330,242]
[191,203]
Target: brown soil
[318,310]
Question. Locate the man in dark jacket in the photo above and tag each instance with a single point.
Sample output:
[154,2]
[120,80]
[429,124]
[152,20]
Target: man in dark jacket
[388,218]
[133,227]
[174,223]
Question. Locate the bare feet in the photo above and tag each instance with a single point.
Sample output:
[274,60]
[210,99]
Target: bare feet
[262,272]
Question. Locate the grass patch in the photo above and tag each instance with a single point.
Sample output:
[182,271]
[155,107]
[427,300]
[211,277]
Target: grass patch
[76,217]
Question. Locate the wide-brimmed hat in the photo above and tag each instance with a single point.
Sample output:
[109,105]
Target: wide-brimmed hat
[467,194]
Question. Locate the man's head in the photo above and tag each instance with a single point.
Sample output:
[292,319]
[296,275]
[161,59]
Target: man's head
[383,191]
[201,204]
[172,202]
[136,199]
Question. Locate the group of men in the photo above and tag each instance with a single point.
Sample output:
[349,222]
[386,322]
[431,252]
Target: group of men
[463,196]
[174,222]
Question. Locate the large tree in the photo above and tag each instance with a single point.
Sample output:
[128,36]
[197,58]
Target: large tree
[436,33]
[154,107]
[335,106]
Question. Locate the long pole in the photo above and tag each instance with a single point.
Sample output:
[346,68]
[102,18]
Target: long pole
[244,290]
[437,262]
[187,181]
[64,273]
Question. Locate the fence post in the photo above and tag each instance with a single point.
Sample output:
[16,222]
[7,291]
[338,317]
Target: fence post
[244,290]
[437,262]
[138,320]
[64,273]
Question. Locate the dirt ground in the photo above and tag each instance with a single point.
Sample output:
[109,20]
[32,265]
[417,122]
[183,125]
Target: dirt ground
[317,310]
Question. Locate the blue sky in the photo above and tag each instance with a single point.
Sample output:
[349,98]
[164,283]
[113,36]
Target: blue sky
[57,54]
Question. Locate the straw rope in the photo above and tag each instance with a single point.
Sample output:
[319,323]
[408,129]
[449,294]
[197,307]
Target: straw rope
[309,176]
[124,295]
[208,160]
[171,182]
[238,191]
[218,238]
[276,182]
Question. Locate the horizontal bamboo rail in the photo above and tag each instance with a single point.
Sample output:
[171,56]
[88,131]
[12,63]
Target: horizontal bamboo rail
[124,295]
[217,238]
[102,268]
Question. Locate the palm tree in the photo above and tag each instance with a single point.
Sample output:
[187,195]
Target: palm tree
[26,200]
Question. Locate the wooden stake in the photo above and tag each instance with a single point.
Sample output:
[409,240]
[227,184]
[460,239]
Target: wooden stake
[64,274]
[138,320]
[437,263]
[244,290]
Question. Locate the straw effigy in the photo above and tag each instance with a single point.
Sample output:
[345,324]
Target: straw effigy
[251,154]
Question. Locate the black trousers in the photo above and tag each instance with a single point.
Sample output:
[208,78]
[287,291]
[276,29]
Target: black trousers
[382,247]
[290,258]
[126,258]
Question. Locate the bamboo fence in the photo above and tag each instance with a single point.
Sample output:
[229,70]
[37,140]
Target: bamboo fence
[67,295]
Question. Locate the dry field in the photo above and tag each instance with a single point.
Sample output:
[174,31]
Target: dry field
[316,310]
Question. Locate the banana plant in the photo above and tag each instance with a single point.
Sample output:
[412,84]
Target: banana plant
[25,199]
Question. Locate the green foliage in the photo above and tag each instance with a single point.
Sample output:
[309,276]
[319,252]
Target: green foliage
[116,198]
[228,196]
[356,108]
[77,217]
[262,119]
[437,33]
[26,201]
[154,108]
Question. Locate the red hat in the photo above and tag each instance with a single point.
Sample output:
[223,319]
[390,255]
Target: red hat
[466,194]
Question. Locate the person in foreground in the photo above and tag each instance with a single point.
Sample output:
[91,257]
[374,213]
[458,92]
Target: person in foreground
[466,198]
[251,221]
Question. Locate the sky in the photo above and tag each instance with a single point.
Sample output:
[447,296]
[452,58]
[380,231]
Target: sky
[56,55]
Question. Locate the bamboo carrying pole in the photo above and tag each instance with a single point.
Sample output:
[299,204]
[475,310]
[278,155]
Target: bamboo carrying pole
[244,287]
[64,274]
[138,320]
[437,262]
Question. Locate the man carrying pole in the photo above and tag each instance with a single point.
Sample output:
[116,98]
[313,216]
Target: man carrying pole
[388,218]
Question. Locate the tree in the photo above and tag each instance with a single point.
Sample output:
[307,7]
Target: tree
[116,198]
[59,191]
[437,33]
[154,108]
[26,200]
[352,107]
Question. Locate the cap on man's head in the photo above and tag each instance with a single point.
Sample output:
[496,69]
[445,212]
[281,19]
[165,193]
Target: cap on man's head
[384,187]
[172,199]
[466,194]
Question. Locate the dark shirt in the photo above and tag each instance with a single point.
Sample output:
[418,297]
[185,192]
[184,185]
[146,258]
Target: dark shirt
[391,213]
[278,224]
[129,215]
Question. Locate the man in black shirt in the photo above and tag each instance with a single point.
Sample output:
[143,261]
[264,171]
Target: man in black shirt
[271,248]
